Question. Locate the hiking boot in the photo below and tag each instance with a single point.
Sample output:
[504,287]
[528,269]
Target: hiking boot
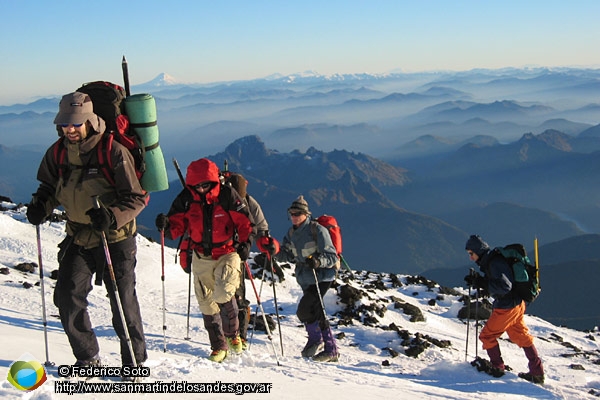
[537,379]
[315,339]
[496,358]
[89,362]
[535,363]
[131,378]
[324,356]
[486,366]
[311,349]
[218,355]
[235,344]
[331,349]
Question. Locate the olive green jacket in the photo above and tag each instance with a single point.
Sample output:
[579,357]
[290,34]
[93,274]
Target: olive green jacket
[80,178]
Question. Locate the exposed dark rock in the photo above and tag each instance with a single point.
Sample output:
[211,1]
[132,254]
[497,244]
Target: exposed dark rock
[260,324]
[474,310]
[412,310]
[26,267]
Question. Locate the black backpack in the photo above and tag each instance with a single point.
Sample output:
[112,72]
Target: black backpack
[526,284]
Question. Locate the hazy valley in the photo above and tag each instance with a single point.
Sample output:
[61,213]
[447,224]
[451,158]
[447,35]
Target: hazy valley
[410,164]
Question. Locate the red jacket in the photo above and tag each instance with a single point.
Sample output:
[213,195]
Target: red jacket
[221,213]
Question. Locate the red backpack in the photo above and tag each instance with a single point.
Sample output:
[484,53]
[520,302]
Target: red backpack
[329,222]
[335,232]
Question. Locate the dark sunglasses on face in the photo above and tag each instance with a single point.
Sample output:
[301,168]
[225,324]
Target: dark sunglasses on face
[295,214]
[203,186]
[67,125]
[470,253]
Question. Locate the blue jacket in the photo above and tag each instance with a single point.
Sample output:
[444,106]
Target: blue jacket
[299,243]
[499,276]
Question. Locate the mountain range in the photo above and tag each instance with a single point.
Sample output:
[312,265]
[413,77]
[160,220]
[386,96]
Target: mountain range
[410,164]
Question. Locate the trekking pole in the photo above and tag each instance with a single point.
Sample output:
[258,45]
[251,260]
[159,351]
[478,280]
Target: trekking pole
[44,320]
[162,278]
[125,76]
[187,336]
[343,260]
[113,279]
[476,320]
[269,259]
[326,320]
[468,314]
[262,280]
[537,262]
[259,304]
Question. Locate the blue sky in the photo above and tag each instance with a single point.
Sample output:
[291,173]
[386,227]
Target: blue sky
[51,47]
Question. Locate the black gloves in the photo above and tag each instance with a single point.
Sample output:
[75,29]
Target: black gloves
[162,222]
[312,261]
[102,218]
[476,281]
[36,212]
[243,250]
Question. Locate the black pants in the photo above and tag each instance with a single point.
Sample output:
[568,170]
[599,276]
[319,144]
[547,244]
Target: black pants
[309,307]
[75,283]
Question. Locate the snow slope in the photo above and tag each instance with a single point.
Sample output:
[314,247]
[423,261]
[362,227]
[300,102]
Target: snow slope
[367,369]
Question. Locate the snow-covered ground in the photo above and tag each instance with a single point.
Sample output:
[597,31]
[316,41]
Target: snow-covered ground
[367,368]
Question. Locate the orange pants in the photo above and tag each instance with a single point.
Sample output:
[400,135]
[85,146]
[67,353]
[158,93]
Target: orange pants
[509,321]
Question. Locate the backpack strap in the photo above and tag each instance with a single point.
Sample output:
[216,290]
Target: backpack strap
[59,153]
[207,244]
[313,230]
[104,159]
[104,149]
[225,200]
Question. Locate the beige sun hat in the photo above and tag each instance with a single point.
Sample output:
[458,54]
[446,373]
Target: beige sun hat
[76,108]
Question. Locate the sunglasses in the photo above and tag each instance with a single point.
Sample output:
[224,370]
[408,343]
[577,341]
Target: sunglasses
[470,253]
[295,214]
[74,125]
[203,186]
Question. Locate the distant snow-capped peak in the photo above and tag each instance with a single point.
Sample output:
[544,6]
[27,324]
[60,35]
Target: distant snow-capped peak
[312,75]
[163,79]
